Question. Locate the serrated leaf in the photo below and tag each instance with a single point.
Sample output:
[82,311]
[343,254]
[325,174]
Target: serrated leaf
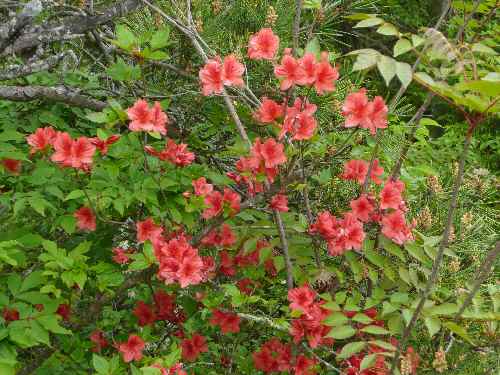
[341,332]
[350,349]
[402,46]
[369,22]
[387,67]
[404,73]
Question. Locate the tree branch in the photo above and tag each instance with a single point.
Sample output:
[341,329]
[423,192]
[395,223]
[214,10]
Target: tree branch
[11,30]
[70,27]
[16,71]
[61,94]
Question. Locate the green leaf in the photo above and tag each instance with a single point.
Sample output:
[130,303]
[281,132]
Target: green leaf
[350,349]
[33,280]
[121,71]
[38,205]
[365,60]
[335,319]
[402,46]
[160,38]
[388,29]
[375,330]
[314,48]
[362,318]
[487,88]
[404,73]
[341,332]
[387,67]
[433,324]
[369,22]
[156,55]
[417,252]
[383,345]
[51,323]
[460,331]
[100,364]
[481,48]
[416,40]
[368,361]
[75,194]
[311,4]
[68,223]
[443,309]
[392,248]
[125,39]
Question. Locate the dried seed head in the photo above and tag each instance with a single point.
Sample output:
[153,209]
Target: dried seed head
[434,184]
[454,266]
[271,16]
[439,363]
[424,218]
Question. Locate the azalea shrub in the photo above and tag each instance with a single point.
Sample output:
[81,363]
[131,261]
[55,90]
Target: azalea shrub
[132,245]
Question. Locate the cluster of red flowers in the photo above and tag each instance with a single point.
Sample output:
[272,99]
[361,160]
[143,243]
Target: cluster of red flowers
[227,321]
[193,347]
[308,325]
[224,237]
[164,309]
[176,154]
[306,71]
[132,349]
[275,356]
[179,261]
[85,219]
[145,119]
[216,74]
[359,111]
[264,159]
[341,234]
[215,202]
[389,211]
[68,152]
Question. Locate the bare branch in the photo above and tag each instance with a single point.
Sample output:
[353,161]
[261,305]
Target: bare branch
[11,30]
[70,27]
[16,71]
[58,94]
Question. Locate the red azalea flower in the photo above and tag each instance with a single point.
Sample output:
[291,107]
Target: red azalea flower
[302,298]
[233,199]
[41,139]
[165,305]
[132,349]
[228,322]
[102,145]
[244,286]
[356,170]
[269,111]
[290,71]
[270,152]
[192,348]
[390,196]
[214,202]
[148,230]
[232,71]
[120,256]
[12,165]
[326,76]
[362,208]
[394,227]
[179,262]
[226,264]
[211,77]
[64,310]
[263,45]
[10,315]
[144,314]
[76,153]
[142,118]
[100,342]
[303,365]
[201,187]
[308,65]
[279,202]
[85,219]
